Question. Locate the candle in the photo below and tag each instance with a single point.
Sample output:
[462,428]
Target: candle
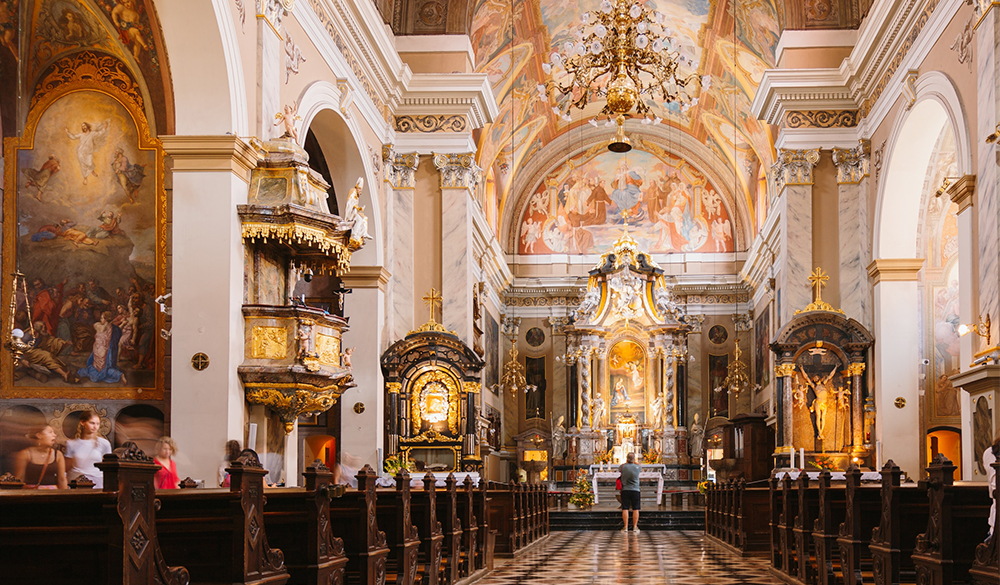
[878,455]
[802,458]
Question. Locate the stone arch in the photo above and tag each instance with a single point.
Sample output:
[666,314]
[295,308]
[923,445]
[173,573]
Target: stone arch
[206,67]
[342,141]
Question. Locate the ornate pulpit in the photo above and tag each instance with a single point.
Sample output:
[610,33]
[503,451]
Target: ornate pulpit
[431,382]
[822,399]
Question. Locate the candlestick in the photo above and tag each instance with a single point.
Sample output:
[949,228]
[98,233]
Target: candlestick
[878,455]
[802,458]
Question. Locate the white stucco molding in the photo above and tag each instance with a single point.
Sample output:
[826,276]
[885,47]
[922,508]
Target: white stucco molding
[466,94]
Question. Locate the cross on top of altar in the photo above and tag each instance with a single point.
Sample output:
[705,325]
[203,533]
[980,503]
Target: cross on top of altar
[817,280]
[432,299]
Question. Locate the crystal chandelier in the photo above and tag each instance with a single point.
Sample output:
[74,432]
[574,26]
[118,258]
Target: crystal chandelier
[624,53]
[513,375]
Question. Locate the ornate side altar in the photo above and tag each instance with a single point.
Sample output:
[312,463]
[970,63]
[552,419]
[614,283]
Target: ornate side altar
[431,384]
[822,399]
[629,340]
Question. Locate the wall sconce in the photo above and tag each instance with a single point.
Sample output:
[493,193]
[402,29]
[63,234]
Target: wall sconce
[982,329]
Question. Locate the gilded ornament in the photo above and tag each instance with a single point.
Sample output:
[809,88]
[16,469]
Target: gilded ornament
[818,280]
[471,387]
[856,369]
[784,370]
[291,401]
[269,343]
[434,397]
[441,123]
[328,348]
[300,234]
[393,387]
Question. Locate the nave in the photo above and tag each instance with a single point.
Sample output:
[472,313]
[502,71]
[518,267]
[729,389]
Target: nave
[612,557]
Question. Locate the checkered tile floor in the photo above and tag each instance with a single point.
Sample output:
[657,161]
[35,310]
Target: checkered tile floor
[612,558]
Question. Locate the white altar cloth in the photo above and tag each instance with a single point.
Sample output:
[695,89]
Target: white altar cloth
[657,475]
[417,479]
[834,475]
[609,467]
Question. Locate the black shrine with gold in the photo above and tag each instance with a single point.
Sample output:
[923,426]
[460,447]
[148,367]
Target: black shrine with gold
[824,410]
[431,381]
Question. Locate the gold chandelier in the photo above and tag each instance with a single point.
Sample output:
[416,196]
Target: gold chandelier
[513,375]
[737,379]
[624,53]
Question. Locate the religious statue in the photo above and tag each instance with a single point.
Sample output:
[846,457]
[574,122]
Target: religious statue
[304,336]
[359,227]
[346,358]
[558,438]
[656,412]
[353,201]
[287,118]
[696,438]
[598,415]
[354,218]
[588,305]
[665,304]
[819,404]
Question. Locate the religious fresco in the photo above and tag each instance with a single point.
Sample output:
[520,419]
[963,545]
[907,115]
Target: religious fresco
[9,40]
[85,193]
[946,346]
[671,207]
[627,381]
[733,42]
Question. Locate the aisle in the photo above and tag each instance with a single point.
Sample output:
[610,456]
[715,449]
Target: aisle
[610,558]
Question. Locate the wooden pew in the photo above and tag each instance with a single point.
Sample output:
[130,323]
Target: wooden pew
[807,499]
[830,513]
[957,522]
[986,566]
[470,528]
[297,521]
[55,537]
[904,514]
[353,519]
[753,521]
[447,512]
[777,505]
[481,499]
[732,513]
[861,516]
[394,518]
[219,534]
[503,518]
[786,526]
[423,508]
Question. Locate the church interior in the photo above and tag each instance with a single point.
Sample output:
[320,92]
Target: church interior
[401,291]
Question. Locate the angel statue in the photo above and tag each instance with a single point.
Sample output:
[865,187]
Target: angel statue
[598,418]
[588,305]
[287,118]
[665,304]
[843,397]
[656,409]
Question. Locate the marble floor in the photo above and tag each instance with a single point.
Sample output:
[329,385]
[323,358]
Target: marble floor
[606,558]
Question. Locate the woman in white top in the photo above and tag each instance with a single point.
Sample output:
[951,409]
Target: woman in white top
[990,456]
[87,449]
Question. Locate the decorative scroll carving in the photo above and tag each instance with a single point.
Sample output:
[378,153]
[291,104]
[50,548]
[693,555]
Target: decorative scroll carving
[794,167]
[822,119]
[131,452]
[399,167]
[90,67]
[458,170]
[852,164]
[440,123]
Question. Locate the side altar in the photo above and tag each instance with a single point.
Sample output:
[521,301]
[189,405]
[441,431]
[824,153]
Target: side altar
[629,342]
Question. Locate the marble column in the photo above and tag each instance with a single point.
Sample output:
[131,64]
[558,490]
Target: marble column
[400,170]
[270,57]
[362,433]
[962,193]
[987,119]
[897,357]
[560,399]
[793,177]
[210,178]
[855,253]
[460,177]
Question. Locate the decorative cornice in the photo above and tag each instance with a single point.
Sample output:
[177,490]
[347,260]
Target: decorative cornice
[400,168]
[894,270]
[962,191]
[794,167]
[822,118]
[430,123]
[458,170]
[460,94]
[211,154]
[852,164]
[366,277]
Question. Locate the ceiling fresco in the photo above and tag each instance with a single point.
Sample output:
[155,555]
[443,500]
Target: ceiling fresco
[732,41]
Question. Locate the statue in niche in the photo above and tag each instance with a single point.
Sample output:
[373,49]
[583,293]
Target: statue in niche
[821,389]
[598,418]
[354,218]
[558,438]
[588,305]
[697,437]
[307,348]
[286,118]
[656,412]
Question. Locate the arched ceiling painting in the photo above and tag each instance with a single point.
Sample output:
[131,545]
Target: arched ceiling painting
[733,41]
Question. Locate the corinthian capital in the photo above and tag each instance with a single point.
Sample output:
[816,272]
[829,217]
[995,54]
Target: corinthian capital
[794,167]
[852,163]
[458,170]
[399,167]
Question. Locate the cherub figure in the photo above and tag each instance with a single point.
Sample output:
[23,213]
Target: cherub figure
[346,358]
[126,18]
[304,336]
[287,118]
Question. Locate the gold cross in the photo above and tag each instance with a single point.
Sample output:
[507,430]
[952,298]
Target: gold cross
[432,299]
[818,279]
[625,213]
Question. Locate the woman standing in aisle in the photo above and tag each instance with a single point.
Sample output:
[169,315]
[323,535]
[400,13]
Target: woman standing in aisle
[86,449]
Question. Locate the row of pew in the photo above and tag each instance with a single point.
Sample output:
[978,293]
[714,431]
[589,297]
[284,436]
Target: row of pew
[828,532]
[132,534]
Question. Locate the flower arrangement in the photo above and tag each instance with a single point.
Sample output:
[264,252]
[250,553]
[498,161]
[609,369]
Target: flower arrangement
[651,456]
[394,464]
[603,457]
[703,486]
[583,492]
[823,463]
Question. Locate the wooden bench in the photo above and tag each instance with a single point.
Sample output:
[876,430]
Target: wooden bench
[753,521]
[447,512]
[297,521]
[804,552]
[957,523]
[904,513]
[786,526]
[219,534]
[55,537]
[470,528]
[503,518]
[423,509]
[777,505]
[830,514]
[861,515]
[353,519]
[394,518]
[985,568]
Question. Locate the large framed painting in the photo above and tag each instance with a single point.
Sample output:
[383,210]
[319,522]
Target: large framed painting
[492,369]
[627,381]
[761,349]
[85,223]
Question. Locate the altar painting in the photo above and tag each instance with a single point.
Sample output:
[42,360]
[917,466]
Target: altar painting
[627,381]
[577,208]
[434,403]
[718,369]
[821,402]
[90,243]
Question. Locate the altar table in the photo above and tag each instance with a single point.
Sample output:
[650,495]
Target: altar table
[657,475]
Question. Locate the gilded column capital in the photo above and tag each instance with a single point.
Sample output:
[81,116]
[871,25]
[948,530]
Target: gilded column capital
[894,270]
[856,369]
[399,168]
[559,324]
[794,167]
[696,322]
[458,170]
[853,164]
[784,370]
[962,190]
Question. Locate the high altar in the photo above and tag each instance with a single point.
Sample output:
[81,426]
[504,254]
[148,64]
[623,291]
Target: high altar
[825,411]
[629,340]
